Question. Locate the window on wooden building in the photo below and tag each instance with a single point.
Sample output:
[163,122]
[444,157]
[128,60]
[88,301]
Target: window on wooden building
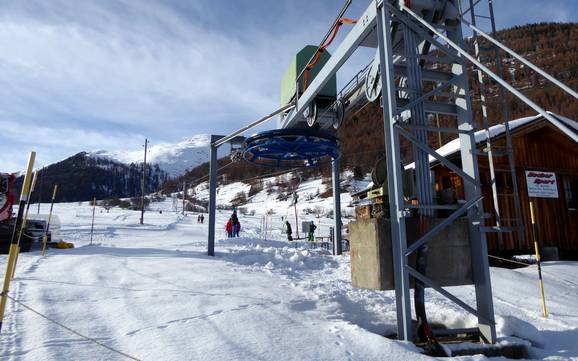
[571,193]
[504,180]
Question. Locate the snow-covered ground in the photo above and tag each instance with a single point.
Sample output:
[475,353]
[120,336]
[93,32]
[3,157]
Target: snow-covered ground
[152,292]
[310,206]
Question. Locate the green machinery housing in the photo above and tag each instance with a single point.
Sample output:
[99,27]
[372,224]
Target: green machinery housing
[326,96]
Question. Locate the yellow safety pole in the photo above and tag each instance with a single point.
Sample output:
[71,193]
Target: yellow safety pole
[45,237]
[25,222]
[536,248]
[14,242]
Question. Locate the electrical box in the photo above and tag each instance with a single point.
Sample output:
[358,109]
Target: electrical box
[449,259]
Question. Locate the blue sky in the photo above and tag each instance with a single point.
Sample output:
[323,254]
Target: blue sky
[105,74]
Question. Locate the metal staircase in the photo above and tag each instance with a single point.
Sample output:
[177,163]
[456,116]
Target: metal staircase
[501,225]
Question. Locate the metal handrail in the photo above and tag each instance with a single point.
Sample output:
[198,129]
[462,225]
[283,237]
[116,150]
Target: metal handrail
[359,77]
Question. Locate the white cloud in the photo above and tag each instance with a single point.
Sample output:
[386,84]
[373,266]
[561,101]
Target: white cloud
[136,66]
[56,143]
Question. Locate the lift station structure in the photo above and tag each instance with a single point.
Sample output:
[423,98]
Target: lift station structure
[419,70]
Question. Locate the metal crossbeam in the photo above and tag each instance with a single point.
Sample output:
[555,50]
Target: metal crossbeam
[437,129]
[443,160]
[490,73]
[438,228]
[228,138]
[431,283]
[428,95]
[523,60]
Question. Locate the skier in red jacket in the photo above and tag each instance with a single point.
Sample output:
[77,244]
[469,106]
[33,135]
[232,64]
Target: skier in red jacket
[229,228]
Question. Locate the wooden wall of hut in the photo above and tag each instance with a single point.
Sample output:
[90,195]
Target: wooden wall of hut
[539,146]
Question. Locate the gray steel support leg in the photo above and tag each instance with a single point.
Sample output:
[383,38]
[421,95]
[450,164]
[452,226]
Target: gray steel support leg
[212,200]
[394,184]
[422,167]
[479,247]
[337,246]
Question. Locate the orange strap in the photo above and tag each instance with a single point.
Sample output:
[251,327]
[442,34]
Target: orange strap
[322,48]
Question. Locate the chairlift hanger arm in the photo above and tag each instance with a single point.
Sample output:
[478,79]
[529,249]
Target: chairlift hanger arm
[364,26]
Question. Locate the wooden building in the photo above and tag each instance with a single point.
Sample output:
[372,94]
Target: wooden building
[546,169]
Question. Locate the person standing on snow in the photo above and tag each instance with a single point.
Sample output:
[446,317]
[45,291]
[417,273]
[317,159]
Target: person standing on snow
[311,235]
[288,231]
[229,228]
[236,225]
[237,229]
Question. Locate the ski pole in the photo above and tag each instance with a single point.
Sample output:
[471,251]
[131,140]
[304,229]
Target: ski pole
[45,238]
[13,240]
[543,298]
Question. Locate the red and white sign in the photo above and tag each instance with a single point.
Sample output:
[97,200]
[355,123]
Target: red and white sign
[541,184]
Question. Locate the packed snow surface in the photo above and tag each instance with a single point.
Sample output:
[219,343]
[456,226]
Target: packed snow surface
[151,291]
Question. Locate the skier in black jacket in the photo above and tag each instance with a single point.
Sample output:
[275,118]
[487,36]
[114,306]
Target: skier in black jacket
[311,235]
[236,225]
[288,231]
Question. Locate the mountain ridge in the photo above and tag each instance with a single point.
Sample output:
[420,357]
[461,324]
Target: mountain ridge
[173,158]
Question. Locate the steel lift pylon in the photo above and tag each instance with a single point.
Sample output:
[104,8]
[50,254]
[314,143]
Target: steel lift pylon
[419,70]
[402,47]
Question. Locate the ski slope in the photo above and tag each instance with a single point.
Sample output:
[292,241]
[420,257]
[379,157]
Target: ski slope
[151,292]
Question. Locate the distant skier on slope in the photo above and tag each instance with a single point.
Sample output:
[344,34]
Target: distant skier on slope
[236,224]
[311,235]
[289,231]
[238,229]
[229,228]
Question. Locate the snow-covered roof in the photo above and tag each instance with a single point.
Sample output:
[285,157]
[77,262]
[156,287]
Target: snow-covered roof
[566,125]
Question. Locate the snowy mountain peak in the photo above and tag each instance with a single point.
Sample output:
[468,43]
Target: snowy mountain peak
[201,140]
[173,158]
